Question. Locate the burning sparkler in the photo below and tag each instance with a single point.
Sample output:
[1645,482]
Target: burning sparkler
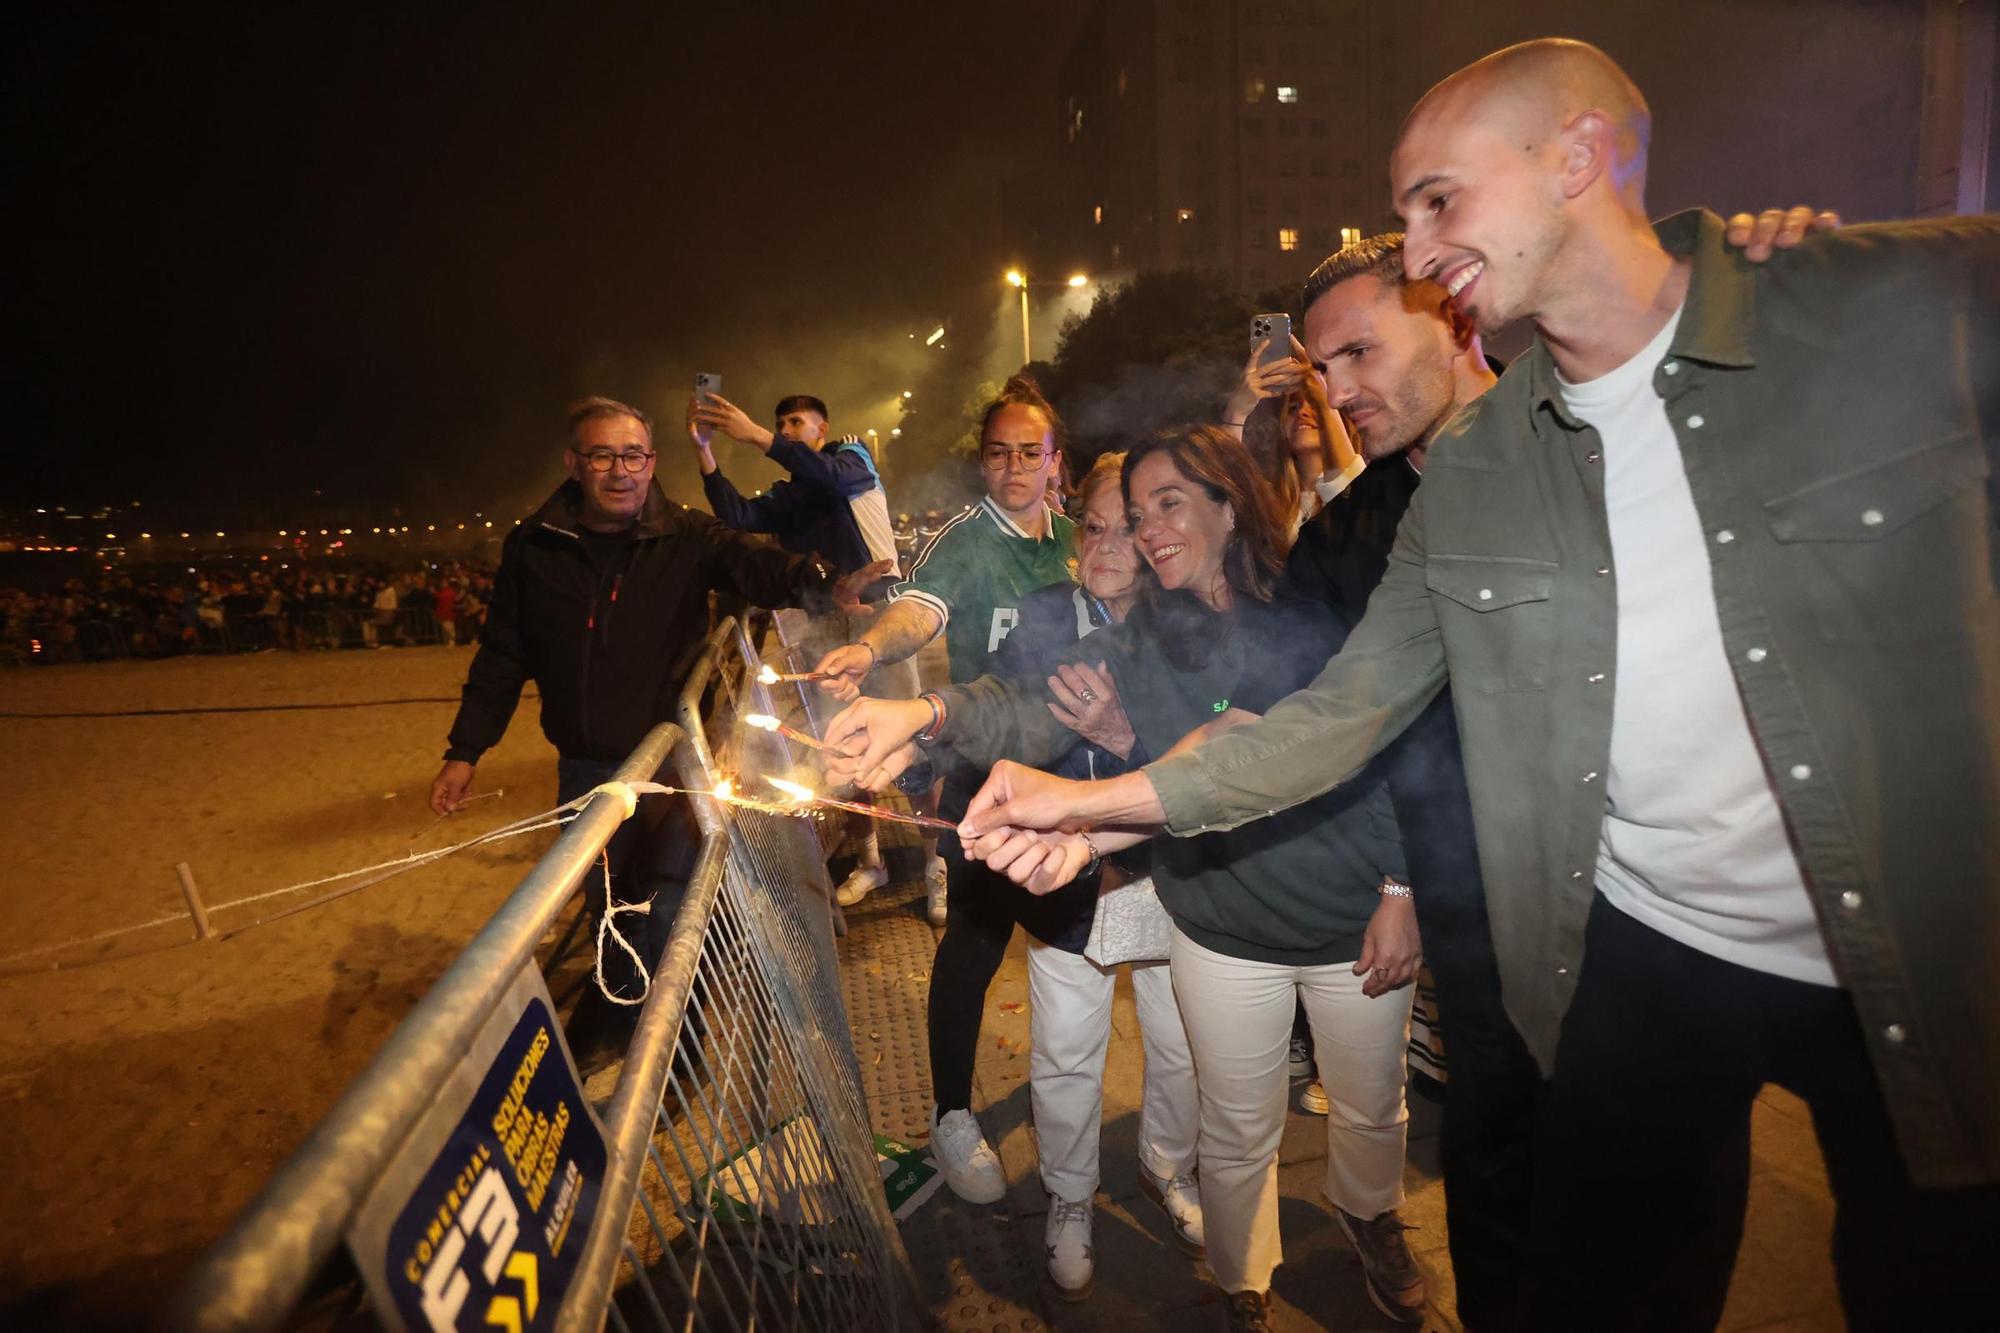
[766,722]
[806,795]
[767,675]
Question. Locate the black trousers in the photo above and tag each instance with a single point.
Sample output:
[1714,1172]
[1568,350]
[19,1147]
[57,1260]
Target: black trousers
[979,920]
[1643,1166]
[1486,1142]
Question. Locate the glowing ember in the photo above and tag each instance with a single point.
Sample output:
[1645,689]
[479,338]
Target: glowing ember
[769,675]
[762,721]
[806,795]
[796,791]
[724,788]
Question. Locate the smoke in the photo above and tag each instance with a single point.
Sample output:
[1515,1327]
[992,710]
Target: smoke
[1140,400]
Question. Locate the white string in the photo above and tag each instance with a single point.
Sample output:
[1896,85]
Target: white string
[604,927]
[562,814]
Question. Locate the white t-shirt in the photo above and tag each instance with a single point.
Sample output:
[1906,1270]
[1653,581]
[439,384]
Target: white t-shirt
[1694,844]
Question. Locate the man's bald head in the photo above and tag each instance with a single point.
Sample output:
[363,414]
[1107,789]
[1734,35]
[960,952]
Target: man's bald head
[1534,90]
[1514,170]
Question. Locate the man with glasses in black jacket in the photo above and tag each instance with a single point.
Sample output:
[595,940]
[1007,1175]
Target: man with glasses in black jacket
[601,599]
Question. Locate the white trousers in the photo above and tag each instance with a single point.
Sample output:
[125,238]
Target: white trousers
[1239,1025]
[1069,1027]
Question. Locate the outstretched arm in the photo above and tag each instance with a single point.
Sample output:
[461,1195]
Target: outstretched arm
[899,632]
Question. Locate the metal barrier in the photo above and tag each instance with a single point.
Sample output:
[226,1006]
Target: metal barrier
[741,1188]
[759,1202]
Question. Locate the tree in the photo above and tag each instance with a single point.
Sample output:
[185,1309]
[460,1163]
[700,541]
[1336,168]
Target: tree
[1161,350]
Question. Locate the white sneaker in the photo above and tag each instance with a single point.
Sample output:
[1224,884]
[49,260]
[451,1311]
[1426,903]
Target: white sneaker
[934,891]
[968,1161]
[1068,1238]
[864,881]
[1180,1198]
[1299,1060]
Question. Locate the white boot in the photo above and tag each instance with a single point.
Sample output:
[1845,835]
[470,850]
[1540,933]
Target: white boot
[968,1161]
[1180,1199]
[1067,1235]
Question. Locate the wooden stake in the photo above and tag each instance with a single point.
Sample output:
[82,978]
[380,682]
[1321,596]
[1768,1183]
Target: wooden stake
[193,895]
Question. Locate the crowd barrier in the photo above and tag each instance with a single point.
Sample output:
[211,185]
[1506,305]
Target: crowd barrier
[738,1186]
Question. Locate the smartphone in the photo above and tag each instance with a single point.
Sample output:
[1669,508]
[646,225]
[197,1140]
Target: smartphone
[706,384]
[1276,328]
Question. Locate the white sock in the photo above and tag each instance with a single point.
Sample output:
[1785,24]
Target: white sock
[871,850]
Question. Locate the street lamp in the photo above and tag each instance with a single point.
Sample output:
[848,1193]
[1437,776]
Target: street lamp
[1016,278]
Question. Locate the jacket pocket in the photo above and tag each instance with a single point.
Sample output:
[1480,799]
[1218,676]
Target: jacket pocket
[1497,619]
[1894,551]
[1870,503]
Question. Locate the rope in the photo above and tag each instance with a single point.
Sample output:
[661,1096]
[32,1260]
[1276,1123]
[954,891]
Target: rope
[381,870]
[604,927]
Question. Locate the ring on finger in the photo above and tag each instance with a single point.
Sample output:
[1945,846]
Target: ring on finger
[1089,696]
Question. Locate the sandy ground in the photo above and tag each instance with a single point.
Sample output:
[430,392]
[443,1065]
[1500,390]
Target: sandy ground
[144,1099]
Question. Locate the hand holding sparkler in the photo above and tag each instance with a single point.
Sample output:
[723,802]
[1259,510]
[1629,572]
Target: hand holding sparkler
[873,737]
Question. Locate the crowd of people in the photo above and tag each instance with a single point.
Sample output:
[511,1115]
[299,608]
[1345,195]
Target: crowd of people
[1402,663]
[223,608]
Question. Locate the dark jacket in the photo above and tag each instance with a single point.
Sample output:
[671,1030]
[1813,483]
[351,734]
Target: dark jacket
[1338,559]
[609,639]
[1040,642]
[810,512]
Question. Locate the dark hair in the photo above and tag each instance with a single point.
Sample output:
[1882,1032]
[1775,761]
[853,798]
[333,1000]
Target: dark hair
[1218,463]
[1264,438]
[1380,255]
[799,402]
[1021,391]
[596,407]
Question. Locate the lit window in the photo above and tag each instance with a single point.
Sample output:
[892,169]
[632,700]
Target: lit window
[1184,215]
[1350,235]
[1287,94]
[1253,89]
[1288,238]
[1097,215]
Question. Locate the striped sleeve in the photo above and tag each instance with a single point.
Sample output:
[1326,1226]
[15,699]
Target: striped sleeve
[940,574]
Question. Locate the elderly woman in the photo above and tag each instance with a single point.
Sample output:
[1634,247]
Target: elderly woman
[1309,903]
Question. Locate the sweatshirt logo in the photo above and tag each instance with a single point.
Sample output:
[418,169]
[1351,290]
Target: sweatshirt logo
[1222,705]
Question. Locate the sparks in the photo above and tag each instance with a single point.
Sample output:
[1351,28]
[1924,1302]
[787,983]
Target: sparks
[806,795]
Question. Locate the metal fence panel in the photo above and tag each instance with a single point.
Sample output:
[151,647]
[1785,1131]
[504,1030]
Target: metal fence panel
[742,1188]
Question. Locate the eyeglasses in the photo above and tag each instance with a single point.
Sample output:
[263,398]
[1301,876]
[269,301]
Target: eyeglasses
[995,457]
[633,460]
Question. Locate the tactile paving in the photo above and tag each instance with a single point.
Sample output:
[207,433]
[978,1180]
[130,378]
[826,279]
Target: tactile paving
[979,1267]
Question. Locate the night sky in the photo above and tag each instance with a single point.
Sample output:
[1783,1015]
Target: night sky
[288,248]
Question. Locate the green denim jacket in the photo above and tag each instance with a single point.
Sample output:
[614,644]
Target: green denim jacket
[1838,410]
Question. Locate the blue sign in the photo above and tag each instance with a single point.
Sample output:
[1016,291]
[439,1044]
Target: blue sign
[489,1235]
